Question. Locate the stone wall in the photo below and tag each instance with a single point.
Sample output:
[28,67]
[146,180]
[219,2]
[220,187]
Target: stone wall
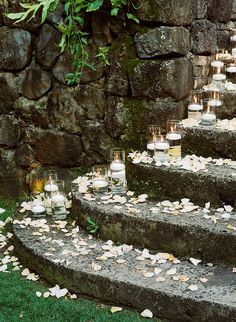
[153,67]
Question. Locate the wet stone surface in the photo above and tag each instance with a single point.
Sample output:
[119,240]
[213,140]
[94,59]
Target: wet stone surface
[116,273]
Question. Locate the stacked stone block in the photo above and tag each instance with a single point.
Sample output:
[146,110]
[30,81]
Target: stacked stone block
[153,67]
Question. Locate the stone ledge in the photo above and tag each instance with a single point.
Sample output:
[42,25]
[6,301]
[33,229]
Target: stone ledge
[172,300]
[217,185]
[210,142]
[187,234]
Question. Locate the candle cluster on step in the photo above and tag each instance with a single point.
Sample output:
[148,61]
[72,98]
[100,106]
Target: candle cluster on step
[164,141]
[50,199]
[110,178]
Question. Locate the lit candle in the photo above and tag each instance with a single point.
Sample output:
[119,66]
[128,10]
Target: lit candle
[234,52]
[215,102]
[208,118]
[162,150]
[219,77]
[51,187]
[194,111]
[174,139]
[58,206]
[117,165]
[100,183]
[151,144]
[231,69]
[217,63]
[38,210]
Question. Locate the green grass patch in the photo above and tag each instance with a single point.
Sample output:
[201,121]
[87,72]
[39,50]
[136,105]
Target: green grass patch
[18,300]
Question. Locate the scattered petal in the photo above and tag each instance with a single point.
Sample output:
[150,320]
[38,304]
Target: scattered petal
[147,314]
[115,309]
[194,261]
[193,287]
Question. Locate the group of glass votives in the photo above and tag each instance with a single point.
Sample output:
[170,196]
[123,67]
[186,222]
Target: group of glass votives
[110,178]
[47,195]
[205,106]
[164,144]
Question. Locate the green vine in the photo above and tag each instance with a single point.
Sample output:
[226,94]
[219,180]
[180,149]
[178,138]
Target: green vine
[73,35]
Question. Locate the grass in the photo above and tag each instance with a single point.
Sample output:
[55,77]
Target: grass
[18,300]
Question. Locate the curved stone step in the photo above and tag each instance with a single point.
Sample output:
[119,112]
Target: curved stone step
[145,225]
[217,185]
[207,142]
[60,257]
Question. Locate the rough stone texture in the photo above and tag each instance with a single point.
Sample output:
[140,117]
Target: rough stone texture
[223,39]
[8,93]
[101,25]
[35,82]
[201,70]
[24,155]
[15,48]
[33,111]
[171,12]
[233,13]
[217,143]
[202,8]
[12,178]
[163,41]
[96,143]
[214,301]
[217,185]
[187,235]
[121,51]
[129,118]
[229,108]
[47,46]
[92,101]
[54,148]
[63,67]
[219,10]
[152,79]
[63,110]
[204,37]
[9,130]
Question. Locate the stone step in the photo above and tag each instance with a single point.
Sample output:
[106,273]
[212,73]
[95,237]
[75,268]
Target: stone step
[190,234]
[63,257]
[215,183]
[207,142]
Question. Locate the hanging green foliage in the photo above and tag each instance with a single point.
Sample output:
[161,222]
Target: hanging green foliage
[73,35]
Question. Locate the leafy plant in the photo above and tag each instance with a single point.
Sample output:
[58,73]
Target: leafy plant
[73,35]
[92,226]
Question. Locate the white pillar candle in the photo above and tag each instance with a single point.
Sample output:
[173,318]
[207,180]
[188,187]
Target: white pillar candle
[38,210]
[151,146]
[51,187]
[217,63]
[117,166]
[214,102]
[161,151]
[194,111]
[234,52]
[58,198]
[174,139]
[208,119]
[219,77]
[118,174]
[231,69]
[100,184]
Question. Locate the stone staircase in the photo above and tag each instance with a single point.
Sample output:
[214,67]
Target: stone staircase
[147,276]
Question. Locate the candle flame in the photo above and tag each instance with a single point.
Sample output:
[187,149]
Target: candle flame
[195,99]
[116,157]
[154,137]
[173,128]
[208,108]
[162,139]
[218,70]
